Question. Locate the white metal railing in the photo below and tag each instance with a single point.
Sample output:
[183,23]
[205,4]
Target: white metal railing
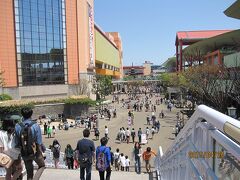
[49,162]
[208,147]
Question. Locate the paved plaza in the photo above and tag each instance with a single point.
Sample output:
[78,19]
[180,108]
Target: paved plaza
[164,138]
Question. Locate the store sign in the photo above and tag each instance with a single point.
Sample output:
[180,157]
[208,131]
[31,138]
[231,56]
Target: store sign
[91,34]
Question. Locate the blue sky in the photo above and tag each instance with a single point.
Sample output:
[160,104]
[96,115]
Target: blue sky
[148,27]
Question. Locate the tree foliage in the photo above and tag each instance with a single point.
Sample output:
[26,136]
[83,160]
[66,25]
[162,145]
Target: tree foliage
[103,86]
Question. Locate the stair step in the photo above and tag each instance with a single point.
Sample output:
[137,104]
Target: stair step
[65,174]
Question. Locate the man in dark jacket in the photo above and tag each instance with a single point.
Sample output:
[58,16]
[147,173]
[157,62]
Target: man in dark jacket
[86,149]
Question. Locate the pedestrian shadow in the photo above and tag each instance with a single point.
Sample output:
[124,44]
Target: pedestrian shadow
[171,138]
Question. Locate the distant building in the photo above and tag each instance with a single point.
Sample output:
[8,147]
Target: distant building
[147,68]
[133,70]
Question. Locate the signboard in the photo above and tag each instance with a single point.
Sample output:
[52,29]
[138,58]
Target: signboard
[144,139]
[91,34]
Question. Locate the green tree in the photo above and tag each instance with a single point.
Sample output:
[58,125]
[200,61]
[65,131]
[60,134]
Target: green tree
[103,86]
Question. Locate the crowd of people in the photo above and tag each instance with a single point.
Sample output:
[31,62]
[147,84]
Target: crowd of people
[84,155]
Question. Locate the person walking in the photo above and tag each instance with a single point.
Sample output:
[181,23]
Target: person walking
[139,135]
[137,153]
[69,156]
[54,131]
[56,152]
[122,161]
[49,131]
[96,133]
[45,128]
[86,151]
[127,163]
[153,131]
[147,155]
[147,132]
[116,159]
[128,133]
[103,159]
[7,148]
[106,132]
[29,140]
[133,134]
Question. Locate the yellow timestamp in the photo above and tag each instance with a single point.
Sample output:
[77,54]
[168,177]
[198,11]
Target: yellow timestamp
[206,155]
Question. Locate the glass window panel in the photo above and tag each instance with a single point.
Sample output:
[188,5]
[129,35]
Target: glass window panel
[16,11]
[41,13]
[49,30]
[17,26]
[56,44]
[27,35]
[56,37]
[27,20]
[16,3]
[18,41]
[50,36]
[42,36]
[28,49]
[17,34]
[42,29]
[27,27]
[27,42]
[34,20]
[41,22]
[49,44]
[43,49]
[41,7]
[35,27]
[18,49]
[17,19]
[35,35]
[35,42]
[43,43]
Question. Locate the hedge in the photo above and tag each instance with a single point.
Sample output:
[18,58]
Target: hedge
[5,97]
[14,107]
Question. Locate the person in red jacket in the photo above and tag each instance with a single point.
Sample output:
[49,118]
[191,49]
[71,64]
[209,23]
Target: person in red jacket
[147,155]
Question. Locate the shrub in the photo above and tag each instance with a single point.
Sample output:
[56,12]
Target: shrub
[4,97]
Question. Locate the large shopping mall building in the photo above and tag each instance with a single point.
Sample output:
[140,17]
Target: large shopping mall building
[48,46]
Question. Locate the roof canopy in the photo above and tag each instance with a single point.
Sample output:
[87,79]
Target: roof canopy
[189,37]
[229,39]
[233,10]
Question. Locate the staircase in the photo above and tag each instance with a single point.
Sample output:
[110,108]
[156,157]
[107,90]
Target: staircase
[64,174]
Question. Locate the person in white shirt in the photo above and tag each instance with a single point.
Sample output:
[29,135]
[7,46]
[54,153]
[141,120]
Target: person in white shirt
[153,132]
[122,161]
[127,162]
[7,146]
[147,132]
[106,132]
[116,156]
[128,133]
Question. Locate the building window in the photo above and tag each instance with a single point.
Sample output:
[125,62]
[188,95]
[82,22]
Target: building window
[40,32]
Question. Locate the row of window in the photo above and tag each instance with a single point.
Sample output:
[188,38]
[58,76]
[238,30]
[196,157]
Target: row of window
[41,40]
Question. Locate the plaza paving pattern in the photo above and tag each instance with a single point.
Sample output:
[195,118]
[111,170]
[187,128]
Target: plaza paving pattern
[164,138]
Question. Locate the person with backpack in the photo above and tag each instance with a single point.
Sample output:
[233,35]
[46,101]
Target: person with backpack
[56,152]
[69,156]
[103,159]
[86,150]
[29,140]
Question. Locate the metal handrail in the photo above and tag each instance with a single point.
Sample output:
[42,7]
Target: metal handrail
[220,127]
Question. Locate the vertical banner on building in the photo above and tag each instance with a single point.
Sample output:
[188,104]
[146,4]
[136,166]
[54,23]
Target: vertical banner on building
[91,34]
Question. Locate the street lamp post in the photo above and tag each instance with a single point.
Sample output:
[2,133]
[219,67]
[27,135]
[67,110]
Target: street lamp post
[232,111]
